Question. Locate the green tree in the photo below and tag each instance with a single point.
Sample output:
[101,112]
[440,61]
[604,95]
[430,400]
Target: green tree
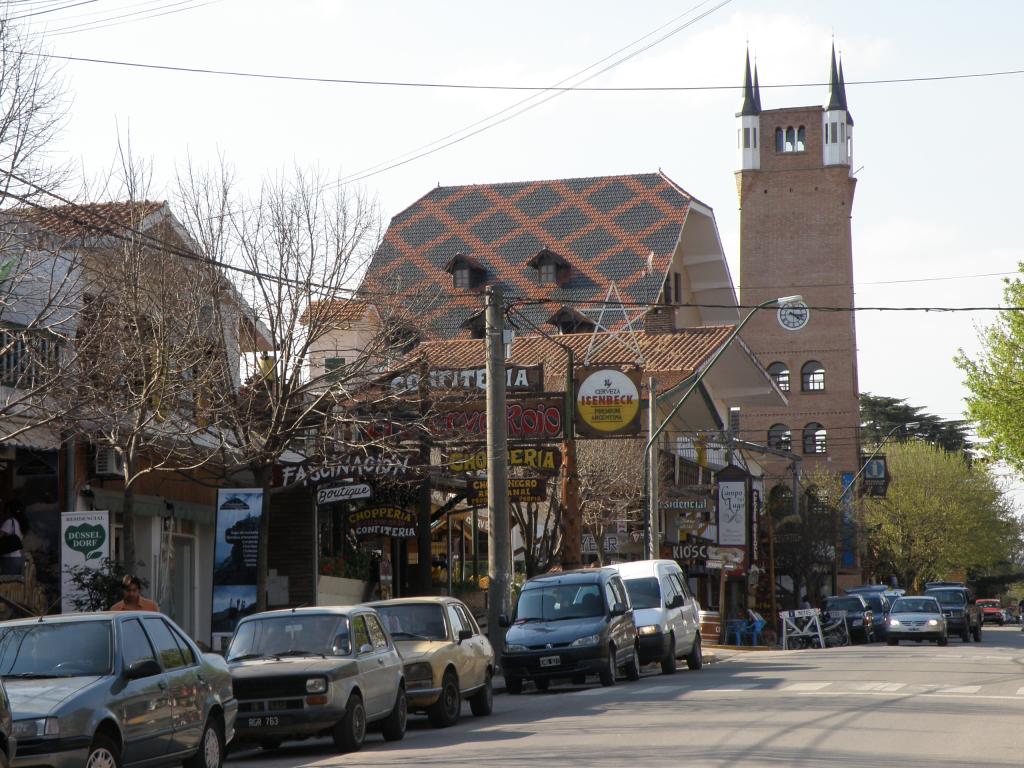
[996,380]
[879,414]
[942,516]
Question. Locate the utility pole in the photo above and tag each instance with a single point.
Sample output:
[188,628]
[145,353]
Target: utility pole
[651,524]
[572,541]
[499,543]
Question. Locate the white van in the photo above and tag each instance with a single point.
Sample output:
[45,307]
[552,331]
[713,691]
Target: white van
[667,614]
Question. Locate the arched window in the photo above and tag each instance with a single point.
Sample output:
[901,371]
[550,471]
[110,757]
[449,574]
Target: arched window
[790,139]
[780,373]
[780,436]
[812,377]
[815,438]
[801,136]
[780,141]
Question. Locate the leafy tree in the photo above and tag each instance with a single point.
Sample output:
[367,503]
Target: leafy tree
[996,380]
[99,588]
[942,515]
[879,414]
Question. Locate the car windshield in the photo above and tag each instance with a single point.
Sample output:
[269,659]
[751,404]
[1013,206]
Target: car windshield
[43,649]
[644,593]
[915,605]
[948,596]
[843,604]
[560,601]
[875,603]
[291,635]
[414,621]
[989,603]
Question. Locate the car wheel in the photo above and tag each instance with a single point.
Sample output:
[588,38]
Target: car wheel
[892,641]
[394,725]
[965,634]
[668,661]
[482,702]
[103,753]
[695,659]
[943,640]
[350,731]
[607,675]
[446,710]
[514,685]
[211,748]
[977,634]
[633,666]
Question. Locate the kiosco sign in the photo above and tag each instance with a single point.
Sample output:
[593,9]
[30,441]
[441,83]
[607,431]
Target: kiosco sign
[607,402]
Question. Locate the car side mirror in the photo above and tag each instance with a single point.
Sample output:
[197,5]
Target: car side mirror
[678,601]
[503,621]
[142,668]
[465,634]
[366,648]
[619,609]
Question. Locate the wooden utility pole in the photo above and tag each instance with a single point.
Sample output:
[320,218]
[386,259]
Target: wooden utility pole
[651,540]
[499,543]
[572,540]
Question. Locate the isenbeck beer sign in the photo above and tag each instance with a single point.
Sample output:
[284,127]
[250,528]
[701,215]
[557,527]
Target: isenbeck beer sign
[607,402]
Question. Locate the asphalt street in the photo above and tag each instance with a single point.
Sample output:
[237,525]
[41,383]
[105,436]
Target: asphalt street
[912,706]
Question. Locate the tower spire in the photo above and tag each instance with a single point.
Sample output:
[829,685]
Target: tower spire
[757,88]
[842,88]
[750,106]
[836,99]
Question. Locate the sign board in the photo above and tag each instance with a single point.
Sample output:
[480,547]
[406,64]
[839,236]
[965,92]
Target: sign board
[588,545]
[732,513]
[385,520]
[518,378]
[607,402]
[875,477]
[235,559]
[352,466]
[522,489]
[696,551]
[84,542]
[338,493]
[539,459]
[528,418]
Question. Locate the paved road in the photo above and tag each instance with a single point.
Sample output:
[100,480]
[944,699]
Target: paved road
[915,706]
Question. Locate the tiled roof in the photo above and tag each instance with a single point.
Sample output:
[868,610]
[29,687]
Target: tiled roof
[88,218]
[340,311]
[669,357]
[621,229]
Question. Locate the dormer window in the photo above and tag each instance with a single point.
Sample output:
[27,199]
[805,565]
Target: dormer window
[568,320]
[476,325]
[467,273]
[552,268]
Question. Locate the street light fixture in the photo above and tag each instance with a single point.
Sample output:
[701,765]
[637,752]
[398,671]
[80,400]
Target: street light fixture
[649,501]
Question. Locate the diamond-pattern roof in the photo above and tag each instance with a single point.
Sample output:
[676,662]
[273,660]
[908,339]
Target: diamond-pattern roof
[620,229]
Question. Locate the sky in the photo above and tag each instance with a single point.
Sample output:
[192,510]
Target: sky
[935,220]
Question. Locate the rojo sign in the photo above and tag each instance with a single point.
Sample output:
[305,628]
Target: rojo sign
[607,402]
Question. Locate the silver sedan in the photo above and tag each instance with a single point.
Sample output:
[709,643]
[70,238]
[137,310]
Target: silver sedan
[916,618]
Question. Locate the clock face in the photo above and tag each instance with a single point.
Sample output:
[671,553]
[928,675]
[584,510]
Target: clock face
[794,316]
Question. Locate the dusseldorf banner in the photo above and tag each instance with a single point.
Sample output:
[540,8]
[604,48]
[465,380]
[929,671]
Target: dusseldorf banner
[84,542]
[235,559]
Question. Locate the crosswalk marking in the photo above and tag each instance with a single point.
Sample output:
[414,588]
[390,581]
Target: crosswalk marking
[883,687]
[960,689]
[1020,691]
[806,686]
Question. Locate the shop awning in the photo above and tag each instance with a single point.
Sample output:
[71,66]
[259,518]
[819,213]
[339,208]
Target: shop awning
[154,506]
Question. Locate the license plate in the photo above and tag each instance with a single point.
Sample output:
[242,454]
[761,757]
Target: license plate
[913,629]
[550,661]
[267,721]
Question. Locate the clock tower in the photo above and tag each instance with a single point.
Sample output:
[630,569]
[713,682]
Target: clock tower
[795,183]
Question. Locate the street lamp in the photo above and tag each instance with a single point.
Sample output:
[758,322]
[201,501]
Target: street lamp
[648,500]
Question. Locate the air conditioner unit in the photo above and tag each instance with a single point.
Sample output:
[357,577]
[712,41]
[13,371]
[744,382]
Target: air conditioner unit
[108,462]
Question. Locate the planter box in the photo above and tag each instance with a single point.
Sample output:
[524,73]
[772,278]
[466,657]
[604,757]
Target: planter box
[334,590]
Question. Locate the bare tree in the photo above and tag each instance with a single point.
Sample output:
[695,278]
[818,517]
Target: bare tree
[540,527]
[610,486]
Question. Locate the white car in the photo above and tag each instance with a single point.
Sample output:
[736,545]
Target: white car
[667,614]
[916,618]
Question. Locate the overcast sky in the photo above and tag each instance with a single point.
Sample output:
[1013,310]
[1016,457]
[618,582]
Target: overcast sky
[937,208]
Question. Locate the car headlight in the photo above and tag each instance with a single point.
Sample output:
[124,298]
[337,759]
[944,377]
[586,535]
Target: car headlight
[316,685]
[418,675]
[513,648]
[933,623]
[34,729]
[588,640]
[650,629]
[894,622]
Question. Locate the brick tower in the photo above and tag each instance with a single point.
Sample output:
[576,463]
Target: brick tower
[796,185]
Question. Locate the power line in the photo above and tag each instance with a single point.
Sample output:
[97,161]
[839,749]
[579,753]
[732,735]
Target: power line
[528,300]
[128,18]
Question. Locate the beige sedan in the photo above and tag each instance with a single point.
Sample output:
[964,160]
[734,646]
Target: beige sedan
[446,656]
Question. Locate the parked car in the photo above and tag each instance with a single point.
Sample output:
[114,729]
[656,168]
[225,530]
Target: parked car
[567,626]
[859,618]
[963,616]
[666,613]
[880,607]
[305,672]
[446,657]
[916,618]
[8,741]
[114,689]
[991,611]
[1009,617]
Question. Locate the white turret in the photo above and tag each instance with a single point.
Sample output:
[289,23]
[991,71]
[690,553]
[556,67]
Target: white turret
[837,124]
[748,135]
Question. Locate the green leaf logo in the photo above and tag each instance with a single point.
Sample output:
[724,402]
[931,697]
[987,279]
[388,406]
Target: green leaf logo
[87,539]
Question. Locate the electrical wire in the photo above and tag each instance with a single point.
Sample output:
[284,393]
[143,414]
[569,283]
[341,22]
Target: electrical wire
[50,10]
[130,18]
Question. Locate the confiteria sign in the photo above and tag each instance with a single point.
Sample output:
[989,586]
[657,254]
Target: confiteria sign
[517,377]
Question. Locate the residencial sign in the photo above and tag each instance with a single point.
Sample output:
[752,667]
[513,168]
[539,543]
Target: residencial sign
[607,402]
[518,378]
[539,459]
[338,493]
[84,543]
[522,489]
[396,522]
